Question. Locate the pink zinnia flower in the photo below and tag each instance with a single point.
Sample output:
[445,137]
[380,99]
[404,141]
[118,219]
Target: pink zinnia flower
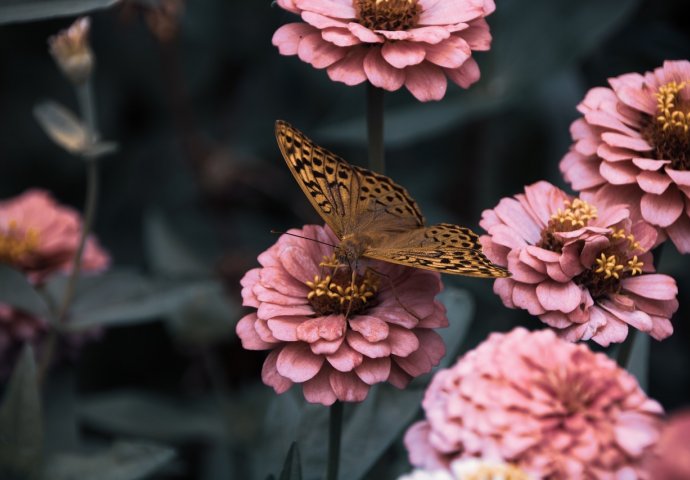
[632,146]
[585,271]
[40,237]
[554,409]
[334,341]
[670,458]
[391,43]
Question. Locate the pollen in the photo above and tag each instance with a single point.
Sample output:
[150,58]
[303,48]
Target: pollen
[341,292]
[490,472]
[575,214]
[391,15]
[669,131]
[16,243]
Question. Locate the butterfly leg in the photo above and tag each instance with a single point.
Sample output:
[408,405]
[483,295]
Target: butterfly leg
[353,279]
[395,294]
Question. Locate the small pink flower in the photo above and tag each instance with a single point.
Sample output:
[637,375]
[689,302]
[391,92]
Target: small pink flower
[670,458]
[632,146]
[391,43]
[585,271]
[554,409]
[334,341]
[40,237]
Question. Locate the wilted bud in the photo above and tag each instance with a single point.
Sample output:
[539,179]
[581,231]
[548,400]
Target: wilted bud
[71,50]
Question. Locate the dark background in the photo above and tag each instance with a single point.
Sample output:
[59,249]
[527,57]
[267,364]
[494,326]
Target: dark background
[191,101]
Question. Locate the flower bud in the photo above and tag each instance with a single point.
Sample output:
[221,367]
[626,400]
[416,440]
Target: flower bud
[71,50]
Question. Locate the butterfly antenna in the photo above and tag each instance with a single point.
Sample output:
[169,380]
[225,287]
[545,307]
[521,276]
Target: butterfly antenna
[304,238]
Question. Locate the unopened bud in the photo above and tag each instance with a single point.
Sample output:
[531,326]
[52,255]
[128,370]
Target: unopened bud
[71,50]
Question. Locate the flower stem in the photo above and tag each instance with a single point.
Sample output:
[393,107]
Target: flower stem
[335,427]
[87,107]
[377,161]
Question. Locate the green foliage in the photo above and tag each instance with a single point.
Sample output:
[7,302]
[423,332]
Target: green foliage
[122,461]
[292,469]
[21,427]
[16,290]
[27,10]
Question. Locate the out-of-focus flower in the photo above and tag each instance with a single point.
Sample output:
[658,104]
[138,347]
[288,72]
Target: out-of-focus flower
[391,43]
[553,409]
[632,146]
[470,469]
[40,237]
[670,458]
[335,331]
[71,50]
[582,268]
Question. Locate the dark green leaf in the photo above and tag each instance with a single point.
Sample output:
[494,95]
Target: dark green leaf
[292,469]
[152,416]
[16,290]
[27,10]
[21,428]
[123,461]
[123,298]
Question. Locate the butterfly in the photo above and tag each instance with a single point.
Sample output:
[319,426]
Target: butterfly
[376,218]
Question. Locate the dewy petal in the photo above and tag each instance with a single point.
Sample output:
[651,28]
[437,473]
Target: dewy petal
[288,37]
[330,8]
[350,70]
[662,210]
[319,53]
[380,73]
[451,53]
[402,54]
[426,82]
[297,362]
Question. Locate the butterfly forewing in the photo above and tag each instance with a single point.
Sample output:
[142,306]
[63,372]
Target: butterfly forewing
[356,201]
[350,199]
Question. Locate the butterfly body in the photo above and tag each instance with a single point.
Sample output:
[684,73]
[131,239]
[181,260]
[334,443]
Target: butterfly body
[374,217]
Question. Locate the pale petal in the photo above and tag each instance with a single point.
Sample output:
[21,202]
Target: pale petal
[380,73]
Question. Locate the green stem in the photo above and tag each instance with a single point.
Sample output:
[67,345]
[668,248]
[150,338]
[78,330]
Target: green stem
[87,107]
[335,427]
[375,96]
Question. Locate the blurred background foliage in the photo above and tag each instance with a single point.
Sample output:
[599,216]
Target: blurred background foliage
[190,91]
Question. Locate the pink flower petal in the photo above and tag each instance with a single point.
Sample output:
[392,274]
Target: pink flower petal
[330,8]
[322,21]
[653,182]
[247,332]
[624,141]
[649,164]
[319,53]
[402,341]
[363,33]
[619,173]
[339,37]
[380,73]
[284,328]
[679,233]
[403,54]
[444,13]
[348,387]
[451,53]
[270,375]
[466,75]
[655,286]
[371,328]
[662,210]
[563,297]
[369,349]
[680,177]
[349,70]
[298,363]
[288,37]
[478,35]
[373,371]
[426,82]
[319,390]
[345,359]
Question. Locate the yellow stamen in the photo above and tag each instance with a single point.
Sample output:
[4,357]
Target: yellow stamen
[670,117]
[577,213]
[15,243]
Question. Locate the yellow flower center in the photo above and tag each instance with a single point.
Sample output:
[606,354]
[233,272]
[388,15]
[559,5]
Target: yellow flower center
[341,292]
[16,243]
[576,214]
[490,472]
[391,15]
[669,132]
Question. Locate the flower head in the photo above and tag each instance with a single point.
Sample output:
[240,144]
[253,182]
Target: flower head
[584,268]
[632,145]
[552,408]
[71,50]
[391,43]
[334,330]
[40,237]
[670,458]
